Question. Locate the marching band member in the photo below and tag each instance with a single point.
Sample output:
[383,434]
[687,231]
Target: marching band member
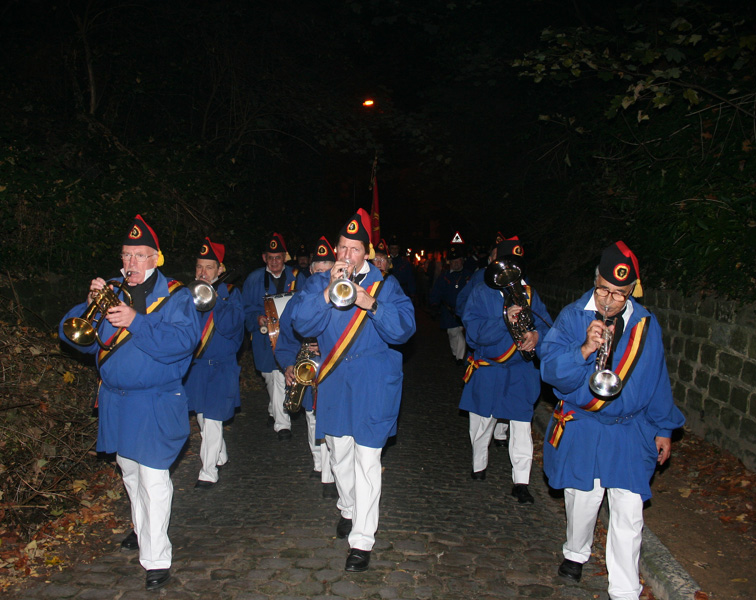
[359,380]
[274,278]
[500,383]
[143,412]
[287,348]
[212,383]
[595,444]
[381,259]
[444,294]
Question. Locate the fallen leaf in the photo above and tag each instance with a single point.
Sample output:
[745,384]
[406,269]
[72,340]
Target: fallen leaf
[684,492]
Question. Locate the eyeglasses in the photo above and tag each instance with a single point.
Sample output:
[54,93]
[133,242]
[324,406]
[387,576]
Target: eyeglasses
[603,292]
[140,258]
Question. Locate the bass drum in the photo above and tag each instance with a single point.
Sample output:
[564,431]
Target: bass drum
[274,307]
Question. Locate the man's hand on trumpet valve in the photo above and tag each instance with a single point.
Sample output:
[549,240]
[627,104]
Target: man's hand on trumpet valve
[121,315]
[94,288]
[594,337]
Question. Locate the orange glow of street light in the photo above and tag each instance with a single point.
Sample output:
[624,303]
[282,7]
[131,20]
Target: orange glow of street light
[368,102]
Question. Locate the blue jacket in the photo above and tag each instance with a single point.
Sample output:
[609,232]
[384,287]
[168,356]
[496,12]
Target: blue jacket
[361,396]
[445,292]
[254,305]
[615,444]
[143,411]
[212,383]
[404,273]
[507,390]
[464,293]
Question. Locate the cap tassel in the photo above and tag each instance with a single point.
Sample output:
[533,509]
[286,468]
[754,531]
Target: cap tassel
[371,252]
[161,259]
[638,289]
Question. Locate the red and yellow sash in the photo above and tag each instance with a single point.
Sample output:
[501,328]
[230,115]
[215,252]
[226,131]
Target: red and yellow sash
[625,368]
[557,428]
[473,364]
[293,283]
[627,364]
[347,337]
[125,334]
[207,335]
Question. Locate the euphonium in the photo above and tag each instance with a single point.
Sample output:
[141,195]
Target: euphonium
[305,373]
[604,382]
[84,330]
[506,275]
[343,292]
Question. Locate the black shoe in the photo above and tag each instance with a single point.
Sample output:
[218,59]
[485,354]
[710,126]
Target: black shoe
[500,443]
[130,542]
[271,421]
[520,491]
[343,528]
[357,561]
[203,485]
[315,475]
[460,362]
[479,475]
[219,467]
[284,434]
[330,491]
[569,569]
[157,578]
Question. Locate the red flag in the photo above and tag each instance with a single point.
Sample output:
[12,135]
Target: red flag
[375,215]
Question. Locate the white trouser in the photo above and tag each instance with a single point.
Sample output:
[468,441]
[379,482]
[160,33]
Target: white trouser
[520,445]
[623,540]
[276,384]
[320,455]
[457,341]
[212,449]
[150,492]
[357,470]
[500,431]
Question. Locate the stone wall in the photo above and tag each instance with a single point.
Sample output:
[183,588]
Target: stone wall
[711,357]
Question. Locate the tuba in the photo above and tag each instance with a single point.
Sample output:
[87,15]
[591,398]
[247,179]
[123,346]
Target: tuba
[342,292]
[604,382]
[85,330]
[506,275]
[305,372]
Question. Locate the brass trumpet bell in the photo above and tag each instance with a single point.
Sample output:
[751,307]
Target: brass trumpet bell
[503,273]
[84,330]
[343,291]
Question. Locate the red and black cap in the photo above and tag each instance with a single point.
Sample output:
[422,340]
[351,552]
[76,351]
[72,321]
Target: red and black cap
[381,247]
[499,238]
[142,234]
[619,266]
[212,251]
[323,251]
[302,251]
[509,246]
[276,244]
[358,228]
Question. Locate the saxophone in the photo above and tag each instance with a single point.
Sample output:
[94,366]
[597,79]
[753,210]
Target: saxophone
[506,275]
[305,372]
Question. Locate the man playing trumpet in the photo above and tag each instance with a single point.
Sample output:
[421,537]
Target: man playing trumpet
[597,443]
[360,377]
[143,412]
[212,382]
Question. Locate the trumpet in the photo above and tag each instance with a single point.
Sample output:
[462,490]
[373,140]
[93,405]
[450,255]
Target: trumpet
[342,292]
[204,294]
[305,372]
[604,382]
[85,330]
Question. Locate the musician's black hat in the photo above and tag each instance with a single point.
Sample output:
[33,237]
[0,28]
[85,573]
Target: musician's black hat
[358,228]
[141,234]
[276,244]
[302,251]
[323,251]
[456,251]
[212,251]
[511,246]
[382,247]
[619,266]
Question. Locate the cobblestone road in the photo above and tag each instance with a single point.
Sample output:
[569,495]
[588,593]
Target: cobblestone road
[265,531]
